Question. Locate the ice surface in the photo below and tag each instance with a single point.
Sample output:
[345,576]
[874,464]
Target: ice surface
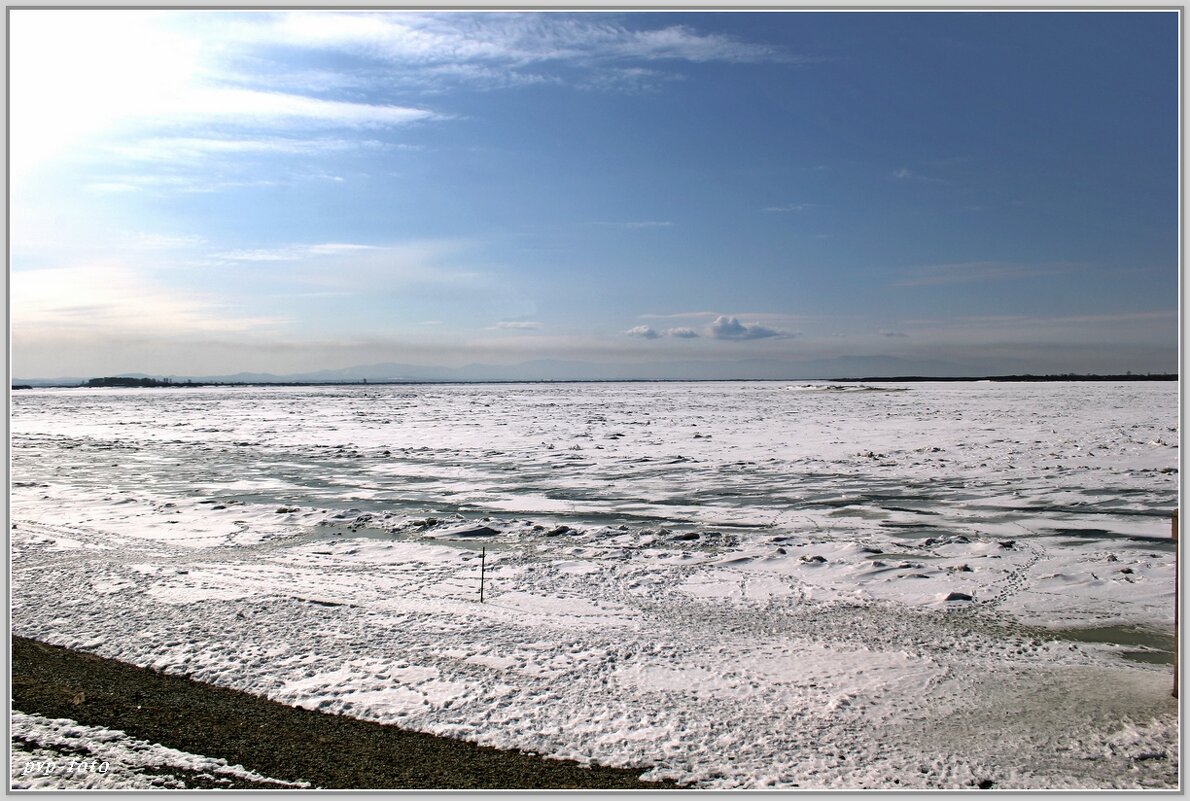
[737,584]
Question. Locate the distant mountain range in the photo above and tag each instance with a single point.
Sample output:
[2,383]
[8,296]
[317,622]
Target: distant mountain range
[553,370]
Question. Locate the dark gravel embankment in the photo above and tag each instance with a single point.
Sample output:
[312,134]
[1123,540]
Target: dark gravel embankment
[275,740]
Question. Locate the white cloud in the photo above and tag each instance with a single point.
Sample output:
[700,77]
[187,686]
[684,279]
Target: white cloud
[764,325]
[730,328]
[791,207]
[516,325]
[647,332]
[643,332]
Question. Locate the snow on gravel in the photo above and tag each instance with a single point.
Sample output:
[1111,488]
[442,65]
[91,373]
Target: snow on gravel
[736,584]
[60,754]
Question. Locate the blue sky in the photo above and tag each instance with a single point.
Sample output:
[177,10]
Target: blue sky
[211,192]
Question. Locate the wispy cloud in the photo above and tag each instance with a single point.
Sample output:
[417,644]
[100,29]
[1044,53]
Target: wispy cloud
[1122,317]
[630,80]
[257,108]
[516,325]
[112,187]
[791,207]
[119,300]
[506,38]
[189,183]
[172,149]
[681,315]
[85,76]
[636,224]
[679,42]
[1105,332]
[1021,320]
[180,177]
[906,174]
[198,164]
[294,252]
[439,78]
[682,333]
[975,272]
[427,266]
[234,73]
[435,52]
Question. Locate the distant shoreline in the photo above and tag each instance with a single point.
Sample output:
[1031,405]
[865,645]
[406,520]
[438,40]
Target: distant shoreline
[120,383]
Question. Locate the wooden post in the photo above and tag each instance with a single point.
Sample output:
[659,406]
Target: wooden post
[1176,570]
[483,552]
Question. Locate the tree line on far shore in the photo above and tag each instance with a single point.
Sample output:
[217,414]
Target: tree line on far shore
[121,381]
[134,382]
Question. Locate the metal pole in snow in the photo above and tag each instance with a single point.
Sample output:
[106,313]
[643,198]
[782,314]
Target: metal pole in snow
[482,555]
[1176,549]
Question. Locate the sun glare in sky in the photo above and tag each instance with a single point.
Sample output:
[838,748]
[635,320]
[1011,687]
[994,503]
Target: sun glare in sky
[783,194]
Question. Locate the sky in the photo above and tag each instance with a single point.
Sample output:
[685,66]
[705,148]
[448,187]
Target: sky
[210,192]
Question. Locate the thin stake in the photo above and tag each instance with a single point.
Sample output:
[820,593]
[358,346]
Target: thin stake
[482,555]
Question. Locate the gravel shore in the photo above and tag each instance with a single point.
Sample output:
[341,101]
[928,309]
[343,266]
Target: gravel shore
[275,740]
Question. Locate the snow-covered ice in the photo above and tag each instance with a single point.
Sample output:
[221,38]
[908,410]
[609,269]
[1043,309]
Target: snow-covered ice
[737,584]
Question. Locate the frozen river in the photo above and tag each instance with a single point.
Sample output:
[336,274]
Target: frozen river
[759,584]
